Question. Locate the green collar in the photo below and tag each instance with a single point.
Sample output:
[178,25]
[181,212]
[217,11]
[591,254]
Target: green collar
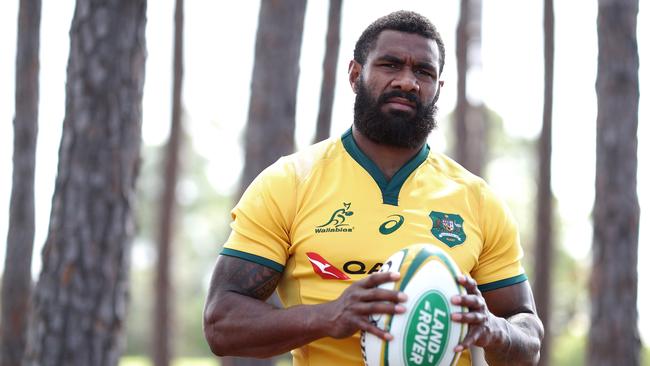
[389,189]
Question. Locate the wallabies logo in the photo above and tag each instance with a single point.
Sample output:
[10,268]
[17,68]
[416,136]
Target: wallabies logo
[337,223]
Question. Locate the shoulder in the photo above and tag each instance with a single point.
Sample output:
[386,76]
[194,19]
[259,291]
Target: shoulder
[304,162]
[454,173]
[289,172]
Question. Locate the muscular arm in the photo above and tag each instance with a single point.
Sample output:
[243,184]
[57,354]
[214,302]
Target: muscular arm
[504,322]
[237,321]
[515,308]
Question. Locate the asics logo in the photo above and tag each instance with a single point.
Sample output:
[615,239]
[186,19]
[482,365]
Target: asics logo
[394,223]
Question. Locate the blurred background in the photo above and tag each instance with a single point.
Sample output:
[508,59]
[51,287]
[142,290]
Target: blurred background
[505,77]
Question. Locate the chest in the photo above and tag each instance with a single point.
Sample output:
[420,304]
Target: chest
[343,234]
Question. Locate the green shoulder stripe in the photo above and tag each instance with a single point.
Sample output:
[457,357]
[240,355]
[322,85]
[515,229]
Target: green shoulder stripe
[503,283]
[253,258]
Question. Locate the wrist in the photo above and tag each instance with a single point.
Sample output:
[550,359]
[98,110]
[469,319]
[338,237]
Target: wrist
[501,344]
[319,322]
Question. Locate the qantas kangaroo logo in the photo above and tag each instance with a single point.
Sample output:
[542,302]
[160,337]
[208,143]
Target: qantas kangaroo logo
[325,269]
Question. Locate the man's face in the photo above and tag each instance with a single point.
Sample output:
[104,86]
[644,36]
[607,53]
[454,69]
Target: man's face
[397,89]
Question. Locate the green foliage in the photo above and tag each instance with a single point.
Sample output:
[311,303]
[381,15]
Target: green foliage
[202,219]
[570,297]
[511,171]
[134,361]
[569,349]
[138,327]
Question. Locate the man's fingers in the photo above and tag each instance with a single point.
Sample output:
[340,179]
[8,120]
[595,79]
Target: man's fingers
[469,283]
[470,339]
[373,329]
[473,302]
[378,294]
[377,279]
[469,318]
[368,308]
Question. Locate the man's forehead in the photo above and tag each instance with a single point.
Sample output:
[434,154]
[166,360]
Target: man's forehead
[403,44]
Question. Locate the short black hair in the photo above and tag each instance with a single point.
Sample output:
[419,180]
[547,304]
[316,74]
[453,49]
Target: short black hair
[401,21]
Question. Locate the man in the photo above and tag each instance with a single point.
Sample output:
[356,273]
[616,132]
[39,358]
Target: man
[316,225]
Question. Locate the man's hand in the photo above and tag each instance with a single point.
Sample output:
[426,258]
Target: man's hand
[503,322]
[484,329]
[350,312]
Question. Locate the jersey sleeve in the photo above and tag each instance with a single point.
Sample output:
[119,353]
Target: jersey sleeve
[500,260]
[262,218]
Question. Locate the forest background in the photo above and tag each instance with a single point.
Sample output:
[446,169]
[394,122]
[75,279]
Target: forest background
[219,55]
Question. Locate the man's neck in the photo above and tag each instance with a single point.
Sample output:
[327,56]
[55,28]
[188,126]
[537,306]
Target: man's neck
[389,159]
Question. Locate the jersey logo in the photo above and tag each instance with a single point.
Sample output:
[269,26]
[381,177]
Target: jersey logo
[336,223]
[448,228]
[325,269]
[391,225]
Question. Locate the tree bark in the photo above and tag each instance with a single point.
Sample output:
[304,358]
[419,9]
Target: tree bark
[460,112]
[17,277]
[324,122]
[544,238]
[272,109]
[163,309]
[613,335]
[80,300]
[470,119]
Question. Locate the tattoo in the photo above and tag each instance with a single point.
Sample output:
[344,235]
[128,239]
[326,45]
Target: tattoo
[248,278]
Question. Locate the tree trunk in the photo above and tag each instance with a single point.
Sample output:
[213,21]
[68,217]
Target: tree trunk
[163,313]
[461,87]
[17,277]
[614,336]
[470,119]
[324,122]
[544,239]
[80,300]
[272,109]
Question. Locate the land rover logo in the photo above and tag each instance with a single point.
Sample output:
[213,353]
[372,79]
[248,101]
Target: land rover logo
[427,330]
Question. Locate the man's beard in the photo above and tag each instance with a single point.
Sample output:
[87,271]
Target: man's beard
[396,128]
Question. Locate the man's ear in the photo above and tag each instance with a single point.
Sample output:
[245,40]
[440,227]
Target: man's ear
[354,72]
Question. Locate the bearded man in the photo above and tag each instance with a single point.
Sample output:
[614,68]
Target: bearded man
[310,225]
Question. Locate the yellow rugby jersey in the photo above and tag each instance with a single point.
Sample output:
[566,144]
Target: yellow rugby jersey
[326,217]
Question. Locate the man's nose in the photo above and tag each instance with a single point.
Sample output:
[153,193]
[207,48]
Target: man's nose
[406,81]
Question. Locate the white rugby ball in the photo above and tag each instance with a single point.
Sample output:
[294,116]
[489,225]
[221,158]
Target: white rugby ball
[424,334]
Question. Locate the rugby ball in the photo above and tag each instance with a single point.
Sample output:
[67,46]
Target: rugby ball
[424,334]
